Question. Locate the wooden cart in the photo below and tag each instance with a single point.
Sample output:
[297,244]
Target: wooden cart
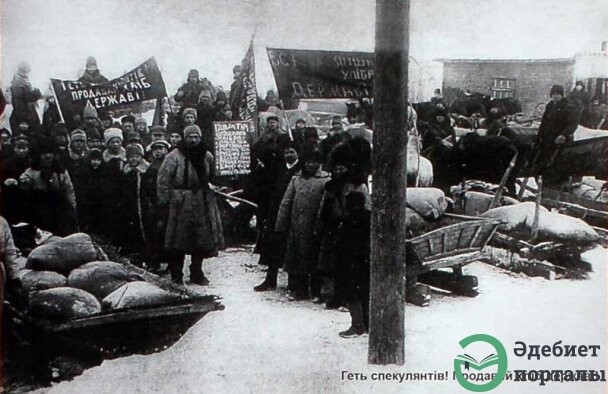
[459,241]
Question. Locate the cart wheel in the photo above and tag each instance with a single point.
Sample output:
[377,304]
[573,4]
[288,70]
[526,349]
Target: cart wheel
[466,285]
[419,295]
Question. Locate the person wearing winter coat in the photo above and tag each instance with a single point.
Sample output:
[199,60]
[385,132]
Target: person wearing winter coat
[267,164]
[344,179]
[270,244]
[13,204]
[188,94]
[187,206]
[24,99]
[594,116]
[141,126]
[91,123]
[138,205]
[296,219]
[92,74]
[76,162]
[49,192]
[221,111]
[578,96]
[158,150]
[90,195]
[557,127]
[205,116]
[114,151]
[353,261]
[51,116]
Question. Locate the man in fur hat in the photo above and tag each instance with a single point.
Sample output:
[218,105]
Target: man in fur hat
[557,127]
[127,123]
[187,207]
[24,99]
[187,95]
[91,73]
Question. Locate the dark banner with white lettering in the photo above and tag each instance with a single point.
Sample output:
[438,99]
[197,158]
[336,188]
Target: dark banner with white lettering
[322,74]
[143,83]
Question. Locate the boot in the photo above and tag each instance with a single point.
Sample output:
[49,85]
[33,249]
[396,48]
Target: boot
[357,326]
[270,282]
[197,276]
[176,268]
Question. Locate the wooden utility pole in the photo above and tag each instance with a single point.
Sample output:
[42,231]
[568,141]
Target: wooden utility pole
[387,290]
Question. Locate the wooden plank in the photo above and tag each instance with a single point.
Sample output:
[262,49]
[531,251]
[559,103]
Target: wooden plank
[475,236]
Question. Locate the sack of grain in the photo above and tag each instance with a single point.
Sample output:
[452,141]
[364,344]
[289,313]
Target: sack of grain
[64,255]
[62,304]
[553,226]
[473,203]
[413,221]
[138,294]
[99,278]
[514,217]
[428,202]
[42,280]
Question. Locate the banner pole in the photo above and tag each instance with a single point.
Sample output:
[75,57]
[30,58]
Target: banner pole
[57,103]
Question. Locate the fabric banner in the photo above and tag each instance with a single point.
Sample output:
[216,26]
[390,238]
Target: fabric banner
[232,153]
[143,83]
[322,74]
[246,95]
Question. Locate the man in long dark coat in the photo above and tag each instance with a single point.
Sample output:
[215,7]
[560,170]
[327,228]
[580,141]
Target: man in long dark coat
[557,127]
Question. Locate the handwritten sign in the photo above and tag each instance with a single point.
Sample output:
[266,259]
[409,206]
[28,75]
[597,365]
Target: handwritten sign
[232,152]
[322,74]
[143,83]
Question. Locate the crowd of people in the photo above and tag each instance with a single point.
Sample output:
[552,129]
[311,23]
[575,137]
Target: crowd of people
[150,189]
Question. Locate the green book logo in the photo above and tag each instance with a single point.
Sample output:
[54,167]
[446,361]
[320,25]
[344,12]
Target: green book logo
[466,362]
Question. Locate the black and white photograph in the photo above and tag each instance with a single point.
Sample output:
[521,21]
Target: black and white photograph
[304,196]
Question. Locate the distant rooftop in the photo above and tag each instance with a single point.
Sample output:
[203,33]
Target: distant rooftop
[558,60]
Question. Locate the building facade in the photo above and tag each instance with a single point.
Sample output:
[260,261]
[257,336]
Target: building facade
[529,80]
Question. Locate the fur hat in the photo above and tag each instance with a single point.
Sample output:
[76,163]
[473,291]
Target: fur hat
[141,120]
[557,89]
[204,93]
[192,129]
[95,154]
[78,135]
[127,119]
[24,68]
[190,111]
[46,145]
[220,96]
[60,129]
[133,136]
[310,153]
[272,117]
[193,74]
[21,137]
[91,61]
[89,112]
[134,149]
[156,130]
[112,133]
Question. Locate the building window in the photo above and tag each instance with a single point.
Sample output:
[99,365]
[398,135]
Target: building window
[503,87]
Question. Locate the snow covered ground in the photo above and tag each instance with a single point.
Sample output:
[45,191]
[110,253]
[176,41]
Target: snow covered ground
[262,343]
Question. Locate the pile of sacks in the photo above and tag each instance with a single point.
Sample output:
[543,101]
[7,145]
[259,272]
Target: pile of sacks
[424,205]
[518,219]
[64,280]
